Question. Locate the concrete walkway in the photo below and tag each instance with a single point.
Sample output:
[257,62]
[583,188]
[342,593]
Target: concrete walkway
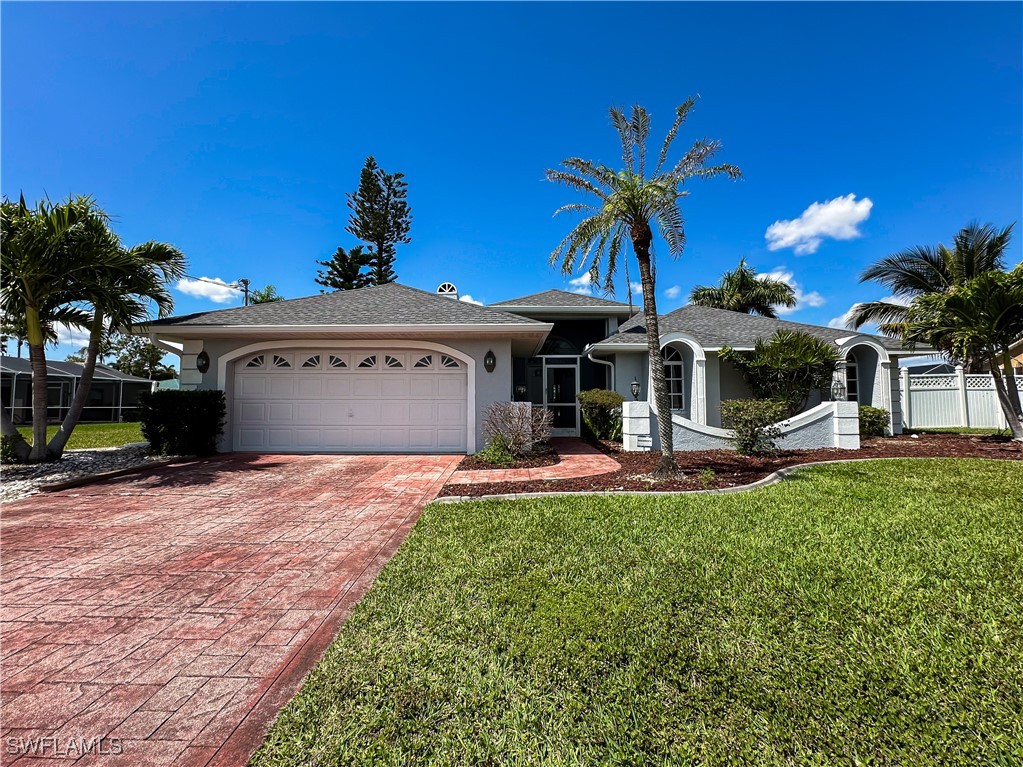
[577,460]
[165,618]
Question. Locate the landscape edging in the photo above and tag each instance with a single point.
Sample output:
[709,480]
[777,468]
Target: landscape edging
[771,479]
[68,484]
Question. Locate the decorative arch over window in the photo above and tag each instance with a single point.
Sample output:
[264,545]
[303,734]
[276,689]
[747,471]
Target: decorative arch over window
[674,377]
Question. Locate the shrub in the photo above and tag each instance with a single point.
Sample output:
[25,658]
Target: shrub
[752,422]
[496,452]
[520,425]
[183,422]
[602,413]
[873,421]
[7,452]
[785,368]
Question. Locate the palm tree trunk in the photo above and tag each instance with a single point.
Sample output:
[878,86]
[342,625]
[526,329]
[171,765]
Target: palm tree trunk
[667,468]
[56,446]
[1010,413]
[40,394]
[1010,382]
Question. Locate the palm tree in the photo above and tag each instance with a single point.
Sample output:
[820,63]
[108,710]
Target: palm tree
[923,270]
[63,264]
[980,318]
[629,204]
[743,290]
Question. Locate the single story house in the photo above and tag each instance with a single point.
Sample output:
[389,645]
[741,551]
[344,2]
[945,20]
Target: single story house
[396,369]
[113,395]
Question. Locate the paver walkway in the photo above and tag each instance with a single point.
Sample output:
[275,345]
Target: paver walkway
[173,613]
[577,460]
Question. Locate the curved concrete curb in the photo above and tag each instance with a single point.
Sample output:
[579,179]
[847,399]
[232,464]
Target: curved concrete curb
[770,479]
[80,481]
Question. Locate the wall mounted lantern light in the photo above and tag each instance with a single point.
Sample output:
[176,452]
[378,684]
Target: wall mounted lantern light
[202,361]
[489,361]
[838,391]
[635,388]
[520,390]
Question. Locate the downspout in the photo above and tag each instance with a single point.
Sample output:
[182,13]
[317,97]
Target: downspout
[591,358]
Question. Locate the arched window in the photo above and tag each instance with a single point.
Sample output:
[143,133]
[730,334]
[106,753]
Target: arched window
[852,375]
[674,376]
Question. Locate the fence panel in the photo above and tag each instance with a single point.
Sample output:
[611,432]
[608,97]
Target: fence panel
[951,400]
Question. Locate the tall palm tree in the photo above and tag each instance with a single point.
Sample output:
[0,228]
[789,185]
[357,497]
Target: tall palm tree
[63,264]
[743,290]
[980,318]
[923,270]
[629,205]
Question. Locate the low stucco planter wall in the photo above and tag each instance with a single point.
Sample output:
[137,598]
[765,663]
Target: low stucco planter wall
[830,424]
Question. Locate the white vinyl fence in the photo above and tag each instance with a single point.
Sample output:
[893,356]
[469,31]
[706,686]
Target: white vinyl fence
[952,399]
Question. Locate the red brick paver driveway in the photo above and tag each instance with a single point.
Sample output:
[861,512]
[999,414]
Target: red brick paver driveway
[173,613]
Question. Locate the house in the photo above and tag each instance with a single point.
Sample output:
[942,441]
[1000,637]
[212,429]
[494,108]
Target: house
[394,368]
[113,395]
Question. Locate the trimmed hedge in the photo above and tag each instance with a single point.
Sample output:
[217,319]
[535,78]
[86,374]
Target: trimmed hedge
[602,413]
[752,422]
[873,421]
[183,422]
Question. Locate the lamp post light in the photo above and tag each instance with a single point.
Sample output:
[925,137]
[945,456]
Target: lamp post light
[634,386]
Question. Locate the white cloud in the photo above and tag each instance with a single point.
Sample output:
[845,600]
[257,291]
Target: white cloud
[583,285]
[470,300]
[213,288]
[841,322]
[636,288]
[803,299]
[837,219]
[673,292]
[69,336]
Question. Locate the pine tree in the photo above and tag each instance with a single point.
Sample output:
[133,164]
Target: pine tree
[380,217]
[344,271]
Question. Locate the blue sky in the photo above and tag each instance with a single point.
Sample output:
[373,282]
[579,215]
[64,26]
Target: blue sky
[234,130]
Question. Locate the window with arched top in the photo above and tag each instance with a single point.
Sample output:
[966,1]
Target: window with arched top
[852,378]
[674,377]
[256,362]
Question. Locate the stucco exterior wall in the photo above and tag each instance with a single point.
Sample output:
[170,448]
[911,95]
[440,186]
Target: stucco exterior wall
[489,387]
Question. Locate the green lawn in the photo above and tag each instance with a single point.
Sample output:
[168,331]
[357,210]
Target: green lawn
[958,430]
[88,435]
[869,613]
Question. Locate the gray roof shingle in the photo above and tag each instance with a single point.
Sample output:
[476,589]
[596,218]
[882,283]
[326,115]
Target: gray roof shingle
[562,299]
[720,327]
[390,304]
[63,369]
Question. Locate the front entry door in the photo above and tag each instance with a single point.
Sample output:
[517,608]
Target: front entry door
[560,398]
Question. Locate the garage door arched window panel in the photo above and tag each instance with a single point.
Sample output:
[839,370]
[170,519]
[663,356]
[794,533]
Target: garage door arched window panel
[258,361]
[394,362]
[426,361]
[312,361]
[337,360]
[368,362]
[281,361]
[448,362]
[674,377]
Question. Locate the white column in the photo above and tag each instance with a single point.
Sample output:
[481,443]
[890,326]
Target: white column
[886,393]
[964,407]
[700,400]
[636,433]
[906,415]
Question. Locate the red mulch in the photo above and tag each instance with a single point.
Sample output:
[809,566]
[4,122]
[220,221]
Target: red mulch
[731,469]
[543,455]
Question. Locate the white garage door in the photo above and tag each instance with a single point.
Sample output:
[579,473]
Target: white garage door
[350,400]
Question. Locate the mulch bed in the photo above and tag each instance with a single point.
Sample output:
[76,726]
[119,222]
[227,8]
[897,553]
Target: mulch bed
[543,455]
[714,469]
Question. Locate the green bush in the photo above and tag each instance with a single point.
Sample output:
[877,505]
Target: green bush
[497,452]
[752,422]
[7,452]
[602,413]
[183,422]
[873,421]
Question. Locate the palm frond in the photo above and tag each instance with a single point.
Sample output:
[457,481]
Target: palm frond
[621,122]
[575,182]
[879,312]
[681,113]
[639,124]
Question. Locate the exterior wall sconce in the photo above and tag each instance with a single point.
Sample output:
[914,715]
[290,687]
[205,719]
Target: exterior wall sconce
[634,386]
[838,391]
[489,361]
[520,390]
[202,361]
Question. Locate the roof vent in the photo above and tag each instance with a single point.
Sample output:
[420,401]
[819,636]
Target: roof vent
[448,290]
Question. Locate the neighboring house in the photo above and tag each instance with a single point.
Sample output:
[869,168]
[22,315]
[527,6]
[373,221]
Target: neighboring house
[394,368]
[113,395]
[1016,352]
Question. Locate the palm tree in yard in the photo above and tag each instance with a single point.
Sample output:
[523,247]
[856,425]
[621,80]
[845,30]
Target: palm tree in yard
[630,204]
[743,290]
[923,270]
[62,263]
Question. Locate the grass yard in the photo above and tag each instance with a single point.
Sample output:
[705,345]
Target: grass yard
[867,613]
[88,435]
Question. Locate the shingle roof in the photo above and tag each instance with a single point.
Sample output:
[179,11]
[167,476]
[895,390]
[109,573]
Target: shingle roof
[720,327]
[390,304]
[62,369]
[562,299]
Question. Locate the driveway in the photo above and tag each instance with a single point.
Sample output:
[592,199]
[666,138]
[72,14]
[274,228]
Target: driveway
[164,618]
